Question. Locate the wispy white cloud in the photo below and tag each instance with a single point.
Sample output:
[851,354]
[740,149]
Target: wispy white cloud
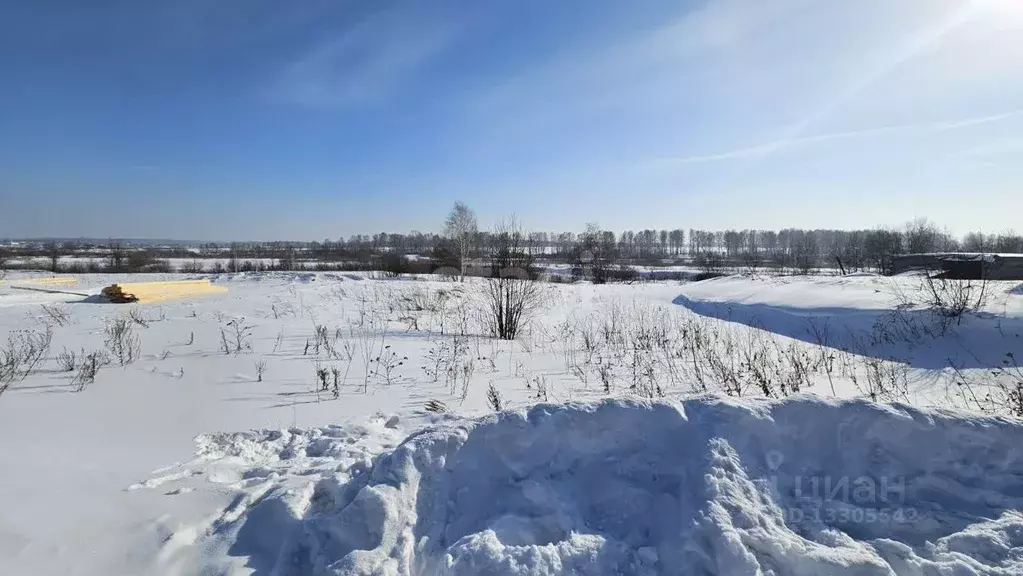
[365,63]
[780,70]
[783,144]
[977,121]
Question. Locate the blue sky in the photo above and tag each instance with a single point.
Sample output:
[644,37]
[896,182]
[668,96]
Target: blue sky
[260,119]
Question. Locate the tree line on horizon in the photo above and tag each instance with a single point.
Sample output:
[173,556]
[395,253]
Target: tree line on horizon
[794,249]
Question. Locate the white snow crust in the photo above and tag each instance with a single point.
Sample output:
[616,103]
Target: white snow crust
[801,487]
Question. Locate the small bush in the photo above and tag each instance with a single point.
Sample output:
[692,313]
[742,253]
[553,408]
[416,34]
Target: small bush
[67,360]
[138,317]
[193,267]
[235,336]
[494,399]
[506,304]
[436,406]
[951,299]
[394,264]
[998,390]
[122,342]
[87,370]
[57,314]
[24,350]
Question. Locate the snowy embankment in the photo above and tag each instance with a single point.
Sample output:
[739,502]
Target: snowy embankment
[709,486]
[871,315]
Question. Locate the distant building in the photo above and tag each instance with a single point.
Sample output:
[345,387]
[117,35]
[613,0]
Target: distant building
[965,265]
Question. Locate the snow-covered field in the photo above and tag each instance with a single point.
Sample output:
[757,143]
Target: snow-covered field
[226,447]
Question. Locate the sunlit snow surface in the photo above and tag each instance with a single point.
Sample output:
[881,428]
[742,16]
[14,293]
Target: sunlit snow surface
[804,486]
[184,463]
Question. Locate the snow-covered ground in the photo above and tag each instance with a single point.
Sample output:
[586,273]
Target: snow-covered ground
[874,315]
[619,454]
[704,487]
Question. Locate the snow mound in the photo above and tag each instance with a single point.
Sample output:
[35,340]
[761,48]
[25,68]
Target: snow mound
[712,486]
[272,480]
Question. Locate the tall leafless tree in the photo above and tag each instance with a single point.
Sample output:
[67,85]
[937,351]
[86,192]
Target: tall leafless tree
[117,256]
[461,227]
[597,254]
[53,253]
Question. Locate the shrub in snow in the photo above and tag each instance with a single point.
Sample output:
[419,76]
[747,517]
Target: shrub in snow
[138,317]
[540,385]
[507,303]
[67,360]
[386,365]
[951,299]
[122,342]
[994,391]
[394,264]
[449,357]
[56,314]
[88,368]
[494,399]
[511,294]
[235,336]
[436,406]
[321,378]
[22,353]
[336,374]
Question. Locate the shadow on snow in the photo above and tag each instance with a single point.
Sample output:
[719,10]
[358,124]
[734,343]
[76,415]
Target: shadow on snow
[909,336]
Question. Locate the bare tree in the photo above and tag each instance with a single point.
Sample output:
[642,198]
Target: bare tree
[749,253]
[461,227]
[923,236]
[1009,241]
[118,254]
[977,242]
[880,248]
[805,252]
[597,254]
[511,295]
[53,253]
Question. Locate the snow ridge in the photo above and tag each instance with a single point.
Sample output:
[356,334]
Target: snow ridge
[709,486]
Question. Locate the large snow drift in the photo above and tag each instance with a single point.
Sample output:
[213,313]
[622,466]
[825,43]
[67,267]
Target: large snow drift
[802,487]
